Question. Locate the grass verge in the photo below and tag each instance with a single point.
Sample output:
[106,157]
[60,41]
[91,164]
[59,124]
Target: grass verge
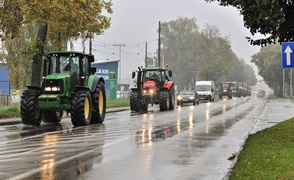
[268,154]
[13,111]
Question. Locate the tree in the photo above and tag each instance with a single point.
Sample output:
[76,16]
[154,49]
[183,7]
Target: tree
[57,21]
[214,58]
[268,62]
[271,18]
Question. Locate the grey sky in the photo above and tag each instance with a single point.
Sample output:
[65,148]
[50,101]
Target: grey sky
[135,22]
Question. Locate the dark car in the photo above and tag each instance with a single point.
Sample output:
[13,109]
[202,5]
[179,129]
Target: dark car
[187,96]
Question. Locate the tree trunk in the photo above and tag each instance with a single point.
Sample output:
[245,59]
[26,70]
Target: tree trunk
[37,61]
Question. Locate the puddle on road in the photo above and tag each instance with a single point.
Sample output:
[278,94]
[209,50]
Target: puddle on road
[209,133]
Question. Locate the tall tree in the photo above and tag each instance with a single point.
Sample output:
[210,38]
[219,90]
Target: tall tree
[272,18]
[268,62]
[57,20]
[185,45]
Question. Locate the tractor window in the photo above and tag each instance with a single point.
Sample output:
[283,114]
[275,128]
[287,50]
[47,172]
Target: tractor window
[61,64]
[155,75]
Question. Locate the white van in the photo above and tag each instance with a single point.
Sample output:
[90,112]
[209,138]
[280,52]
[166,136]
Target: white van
[205,90]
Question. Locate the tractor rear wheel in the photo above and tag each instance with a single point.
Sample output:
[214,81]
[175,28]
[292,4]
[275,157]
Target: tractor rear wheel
[51,116]
[134,101]
[28,112]
[163,100]
[81,107]
[99,104]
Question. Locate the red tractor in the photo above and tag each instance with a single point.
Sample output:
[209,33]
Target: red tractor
[153,86]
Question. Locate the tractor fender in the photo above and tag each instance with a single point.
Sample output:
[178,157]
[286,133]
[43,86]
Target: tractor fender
[135,89]
[168,85]
[35,87]
[93,82]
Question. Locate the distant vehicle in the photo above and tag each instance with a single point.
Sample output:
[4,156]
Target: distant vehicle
[187,96]
[260,93]
[243,89]
[205,90]
[225,90]
[235,89]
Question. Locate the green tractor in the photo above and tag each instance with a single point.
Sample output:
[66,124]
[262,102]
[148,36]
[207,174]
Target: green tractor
[68,84]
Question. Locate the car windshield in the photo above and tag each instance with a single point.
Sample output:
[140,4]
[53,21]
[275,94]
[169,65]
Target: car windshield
[186,92]
[202,88]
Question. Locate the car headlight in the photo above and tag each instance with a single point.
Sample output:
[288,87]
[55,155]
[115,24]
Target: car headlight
[179,98]
[191,97]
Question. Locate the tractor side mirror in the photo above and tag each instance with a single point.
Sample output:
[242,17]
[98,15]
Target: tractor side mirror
[133,74]
[93,70]
[170,73]
[91,58]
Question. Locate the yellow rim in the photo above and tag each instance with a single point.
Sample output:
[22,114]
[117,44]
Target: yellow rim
[101,103]
[87,108]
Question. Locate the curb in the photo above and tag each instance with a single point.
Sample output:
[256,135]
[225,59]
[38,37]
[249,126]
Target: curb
[12,121]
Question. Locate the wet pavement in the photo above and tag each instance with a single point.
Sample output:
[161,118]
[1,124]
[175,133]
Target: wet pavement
[190,142]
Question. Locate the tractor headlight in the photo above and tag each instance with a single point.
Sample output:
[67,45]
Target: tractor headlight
[151,91]
[54,88]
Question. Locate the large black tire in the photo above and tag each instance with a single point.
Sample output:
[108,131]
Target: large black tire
[171,99]
[163,100]
[134,101]
[51,116]
[28,112]
[81,107]
[99,104]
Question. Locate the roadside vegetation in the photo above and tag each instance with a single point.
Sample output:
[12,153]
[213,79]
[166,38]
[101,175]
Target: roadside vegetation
[13,111]
[268,154]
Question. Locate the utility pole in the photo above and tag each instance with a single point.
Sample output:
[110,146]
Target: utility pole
[119,45]
[90,44]
[159,45]
[194,72]
[146,55]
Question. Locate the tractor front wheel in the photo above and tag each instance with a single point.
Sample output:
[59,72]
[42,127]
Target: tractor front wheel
[99,104]
[163,100]
[172,99]
[28,112]
[81,107]
[134,101]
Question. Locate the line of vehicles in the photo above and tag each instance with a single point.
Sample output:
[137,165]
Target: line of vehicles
[153,86]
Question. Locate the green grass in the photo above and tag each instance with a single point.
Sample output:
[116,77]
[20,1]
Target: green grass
[13,111]
[9,111]
[268,154]
[110,103]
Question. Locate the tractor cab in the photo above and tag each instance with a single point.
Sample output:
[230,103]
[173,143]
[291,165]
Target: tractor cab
[68,65]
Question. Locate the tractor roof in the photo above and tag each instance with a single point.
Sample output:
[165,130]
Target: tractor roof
[68,52]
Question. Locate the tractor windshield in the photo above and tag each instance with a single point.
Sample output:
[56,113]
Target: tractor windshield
[155,75]
[151,75]
[61,64]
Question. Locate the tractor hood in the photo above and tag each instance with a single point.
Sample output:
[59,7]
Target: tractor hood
[58,76]
[148,84]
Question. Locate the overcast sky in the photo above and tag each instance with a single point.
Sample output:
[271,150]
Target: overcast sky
[135,22]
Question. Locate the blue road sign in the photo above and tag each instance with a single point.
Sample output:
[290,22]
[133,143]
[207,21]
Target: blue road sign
[287,54]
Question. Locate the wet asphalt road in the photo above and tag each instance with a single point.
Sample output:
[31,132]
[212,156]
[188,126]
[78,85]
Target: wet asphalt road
[190,142]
